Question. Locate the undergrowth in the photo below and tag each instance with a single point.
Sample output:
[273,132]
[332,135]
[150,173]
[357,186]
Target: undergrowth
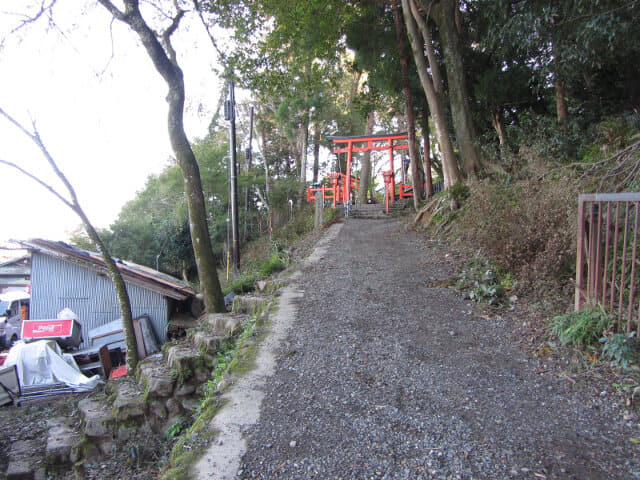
[590,330]
[483,281]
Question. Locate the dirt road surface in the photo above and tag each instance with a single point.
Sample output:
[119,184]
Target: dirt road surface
[380,375]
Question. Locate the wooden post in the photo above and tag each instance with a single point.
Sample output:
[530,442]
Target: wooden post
[318,219]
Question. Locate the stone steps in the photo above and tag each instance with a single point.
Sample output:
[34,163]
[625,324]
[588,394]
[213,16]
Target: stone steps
[376,210]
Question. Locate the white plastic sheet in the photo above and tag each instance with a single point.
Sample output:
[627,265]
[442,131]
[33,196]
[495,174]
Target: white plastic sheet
[43,363]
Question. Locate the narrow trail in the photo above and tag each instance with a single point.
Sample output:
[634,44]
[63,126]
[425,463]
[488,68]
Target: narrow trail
[375,374]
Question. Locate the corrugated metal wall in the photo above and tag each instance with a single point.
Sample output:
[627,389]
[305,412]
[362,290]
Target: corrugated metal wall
[57,284]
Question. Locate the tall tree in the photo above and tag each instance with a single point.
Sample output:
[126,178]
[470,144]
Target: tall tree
[445,12]
[418,42]
[365,164]
[161,52]
[408,111]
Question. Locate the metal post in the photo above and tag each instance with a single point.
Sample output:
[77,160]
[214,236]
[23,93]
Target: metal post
[347,183]
[580,256]
[233,177]
[393,181]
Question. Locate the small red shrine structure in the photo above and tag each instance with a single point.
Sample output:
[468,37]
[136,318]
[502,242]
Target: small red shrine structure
[343,184]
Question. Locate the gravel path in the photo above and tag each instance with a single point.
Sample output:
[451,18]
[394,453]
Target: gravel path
[381,376]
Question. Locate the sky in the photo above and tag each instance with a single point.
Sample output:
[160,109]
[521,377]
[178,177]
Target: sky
[100,108]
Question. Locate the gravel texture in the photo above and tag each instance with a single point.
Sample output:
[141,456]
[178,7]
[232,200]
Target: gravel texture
[383,376]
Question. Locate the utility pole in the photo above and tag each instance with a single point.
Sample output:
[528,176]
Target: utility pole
[229,110]
[248,155]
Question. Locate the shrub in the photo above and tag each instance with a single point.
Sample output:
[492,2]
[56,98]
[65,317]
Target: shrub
[526,227]
[243,284]
[485,281]
[621,349]
[583,328]
[276,263]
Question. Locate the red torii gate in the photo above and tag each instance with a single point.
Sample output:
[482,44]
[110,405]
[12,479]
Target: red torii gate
[370,140]
[342,184]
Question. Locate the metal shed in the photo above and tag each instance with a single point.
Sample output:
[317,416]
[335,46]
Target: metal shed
[63,276]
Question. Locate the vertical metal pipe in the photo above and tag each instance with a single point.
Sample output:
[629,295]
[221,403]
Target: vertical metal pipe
[606,256]
[632,280]
[590,255]
[614,258]
[597,273]
[622,263]
[393,176]
[347,183]
[233,176]
[580,257]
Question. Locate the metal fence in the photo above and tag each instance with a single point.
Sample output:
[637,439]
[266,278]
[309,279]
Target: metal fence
[607,256]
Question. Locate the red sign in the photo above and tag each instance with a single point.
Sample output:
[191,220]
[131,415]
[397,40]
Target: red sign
[46,328]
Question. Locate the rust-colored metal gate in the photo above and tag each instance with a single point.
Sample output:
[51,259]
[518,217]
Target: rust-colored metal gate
[607,256]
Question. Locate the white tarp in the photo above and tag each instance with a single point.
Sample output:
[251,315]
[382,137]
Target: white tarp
[43,363]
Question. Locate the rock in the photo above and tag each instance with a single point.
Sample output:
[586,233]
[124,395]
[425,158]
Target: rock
[173,406]
[24,460]
[129,403]
[208,343]
[249,304]
[127,433]
[60,442]
[185,390]
[157,377]
[191,404]
[293,444]
[160,386]
[183,359]
[158,409]
[20,470]
[97,417]
[202,375]
[225,325]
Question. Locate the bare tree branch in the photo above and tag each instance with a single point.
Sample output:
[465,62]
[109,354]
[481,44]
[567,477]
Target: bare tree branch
[28,20]
[166,35]
[112,269]
[116,12]
[36,179]
[198,8]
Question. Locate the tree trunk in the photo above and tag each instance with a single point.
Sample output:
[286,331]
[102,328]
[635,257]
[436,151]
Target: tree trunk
[316,152]
[408,110]
[121,292]
[450,169]
[458,97]
[427,158]
[365,169]
[166,64]
[497,120]
[562,107]
[304,147]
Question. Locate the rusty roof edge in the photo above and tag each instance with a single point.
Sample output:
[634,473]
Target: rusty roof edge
[92,260]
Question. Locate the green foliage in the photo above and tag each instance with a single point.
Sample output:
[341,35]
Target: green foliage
[583,328]
[459,192]
[621,349]
[244,284]
[276,263]
[176,429]
[484,281]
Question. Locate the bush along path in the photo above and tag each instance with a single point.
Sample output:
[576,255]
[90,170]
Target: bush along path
[375,373]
